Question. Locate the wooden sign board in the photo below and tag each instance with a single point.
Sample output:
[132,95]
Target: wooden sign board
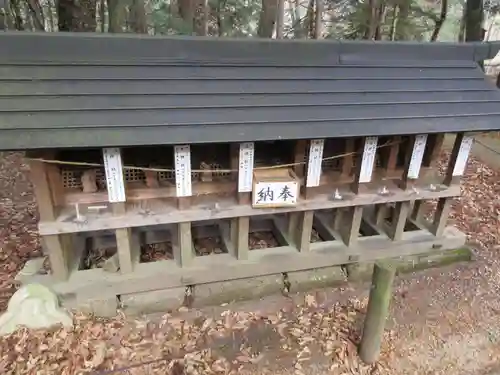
[275,188]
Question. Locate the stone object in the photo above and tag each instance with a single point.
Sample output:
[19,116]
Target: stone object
[112,264]
[33,306]
[151,179]
[206,176]
[89,181]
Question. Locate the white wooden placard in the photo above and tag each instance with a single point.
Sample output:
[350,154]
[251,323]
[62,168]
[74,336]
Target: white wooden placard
[463,155]
[275,193]
[182,157]
[368,159]
[417,156]
[245,170]
[314,162]
[114,175]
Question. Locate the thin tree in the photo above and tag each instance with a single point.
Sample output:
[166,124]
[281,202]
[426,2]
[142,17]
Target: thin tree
[440,20]
[267,18]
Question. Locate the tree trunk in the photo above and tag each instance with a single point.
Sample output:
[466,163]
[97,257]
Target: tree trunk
[309,21]
[50,15]
[186,12]
[116,14]
[380,20]
[318,22]
[102,15]
[16,15]
[440,21]
[138,22]
[371,30]
[267,19]
[401,31]
[394,22]
[36,12]
[473,20]
[280,19]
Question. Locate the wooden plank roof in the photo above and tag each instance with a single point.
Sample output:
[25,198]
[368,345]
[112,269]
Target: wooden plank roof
[93,90]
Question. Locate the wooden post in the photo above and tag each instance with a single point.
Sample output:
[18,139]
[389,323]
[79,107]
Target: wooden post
[58,247]
[351,220]
[299,156]
[413,162]
[242,159]
[454,172]
[347,160]
[305,219]
[127,250]
[115,182]
[431,154]
[182,239]
[378,308]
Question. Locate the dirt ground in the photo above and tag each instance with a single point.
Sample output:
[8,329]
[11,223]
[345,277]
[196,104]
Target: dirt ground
[443,321]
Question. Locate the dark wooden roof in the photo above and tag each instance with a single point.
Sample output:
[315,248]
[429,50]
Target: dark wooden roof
[84,90]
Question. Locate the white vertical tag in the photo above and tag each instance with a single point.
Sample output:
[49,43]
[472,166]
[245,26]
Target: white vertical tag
[368,159]
[182,156]
[114,175]
[245,171]
[417,155]
[314,162]
[463,155]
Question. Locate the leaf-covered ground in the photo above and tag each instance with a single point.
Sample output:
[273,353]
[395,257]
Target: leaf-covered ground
[443,321]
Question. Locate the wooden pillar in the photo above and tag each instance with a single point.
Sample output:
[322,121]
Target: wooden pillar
[347,159]
[57,246]
[429,163]
[413,162]
[454,172]
[388,170]
[242,159]
[351,219]
[126,248]
[299,155]
[115,183]
[182,239]
[378,308]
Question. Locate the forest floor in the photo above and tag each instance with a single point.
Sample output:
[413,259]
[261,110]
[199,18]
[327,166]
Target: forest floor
[442,321]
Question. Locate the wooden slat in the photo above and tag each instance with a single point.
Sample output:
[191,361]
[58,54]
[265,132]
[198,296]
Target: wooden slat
[127,249]
[303,235]
[158,213]
[182,243]
[58,247]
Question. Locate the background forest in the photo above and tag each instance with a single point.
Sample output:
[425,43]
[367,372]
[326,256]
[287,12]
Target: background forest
[434,20]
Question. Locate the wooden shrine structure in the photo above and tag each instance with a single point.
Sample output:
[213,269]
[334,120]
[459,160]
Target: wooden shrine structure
[135,140]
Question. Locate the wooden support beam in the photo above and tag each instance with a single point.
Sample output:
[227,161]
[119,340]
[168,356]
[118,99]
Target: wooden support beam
[399,220]
[378,309]
[182,244]
[392,157]
[349,227]
[454,172]
[347,159]
[441,216]
[413,161]
[58,247]
[128,251]
[299,156]
[458,159]
[240,229]
[242,159]
[303,235]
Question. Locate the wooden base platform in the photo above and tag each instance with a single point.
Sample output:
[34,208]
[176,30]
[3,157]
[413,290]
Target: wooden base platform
[96,284]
